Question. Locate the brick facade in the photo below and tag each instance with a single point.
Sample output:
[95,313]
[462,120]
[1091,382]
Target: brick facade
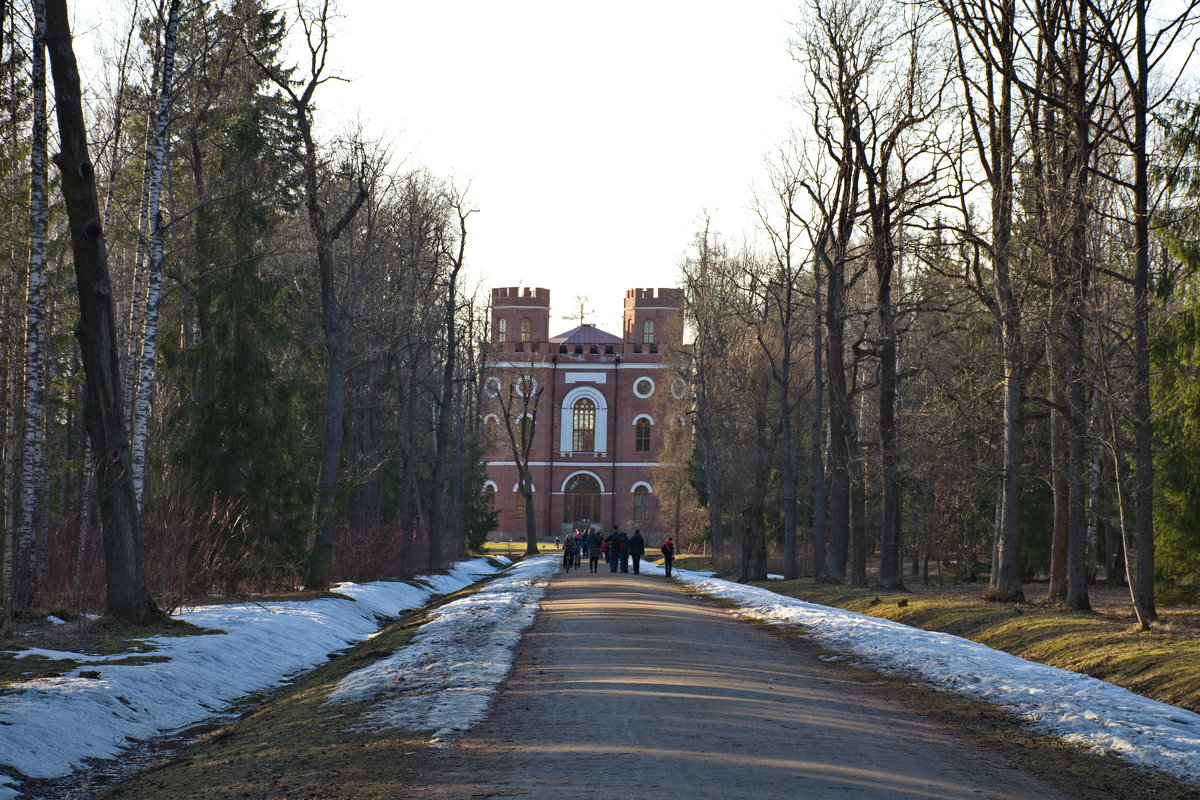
[596,437]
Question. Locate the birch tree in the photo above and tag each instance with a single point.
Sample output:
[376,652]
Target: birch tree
[33,466]
[158,149]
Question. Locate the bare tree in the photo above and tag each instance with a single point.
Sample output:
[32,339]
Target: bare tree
[334,324]
[704,286]
[519,409]
[446,396]
[836,50]
[127,595]
[1123,31]
[985,38]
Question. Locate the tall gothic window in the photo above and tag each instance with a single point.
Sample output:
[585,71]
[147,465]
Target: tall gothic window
[526,329]
[583,425]
[648,332]
[642,436]
[641,503]
[581,499]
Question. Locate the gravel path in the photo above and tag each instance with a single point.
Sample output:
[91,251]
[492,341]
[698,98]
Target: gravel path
[626,687]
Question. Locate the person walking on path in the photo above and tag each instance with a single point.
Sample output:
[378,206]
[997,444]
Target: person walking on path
[568,548]
[668,551]
[580,548]
[637,547]
[623,550]
[594,546]
[613,549]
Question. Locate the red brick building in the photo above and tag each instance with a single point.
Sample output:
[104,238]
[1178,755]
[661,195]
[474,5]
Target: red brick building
[596,438]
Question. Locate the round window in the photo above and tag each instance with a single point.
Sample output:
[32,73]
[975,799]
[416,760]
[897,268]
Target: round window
[678,387]
[526,386]
[492,388]
[643,387]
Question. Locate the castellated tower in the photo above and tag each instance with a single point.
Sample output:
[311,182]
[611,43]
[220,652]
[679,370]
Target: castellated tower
[520,314]
[653,317]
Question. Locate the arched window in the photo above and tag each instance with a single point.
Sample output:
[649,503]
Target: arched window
[491,431]
[583,425]
[641,436]
[641,503]
[526,329]
[501,329]
[520,508]
[581,499]
[648,332]
[489,497]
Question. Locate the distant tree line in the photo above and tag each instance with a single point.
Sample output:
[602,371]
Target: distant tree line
[971,343]
[296,350]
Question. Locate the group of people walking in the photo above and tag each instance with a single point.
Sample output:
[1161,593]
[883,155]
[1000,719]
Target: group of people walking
[617,548]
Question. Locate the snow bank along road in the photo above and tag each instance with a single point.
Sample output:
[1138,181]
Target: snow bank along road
[627,687]
[49,726]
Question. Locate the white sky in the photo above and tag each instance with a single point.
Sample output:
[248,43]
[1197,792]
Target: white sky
[593,136]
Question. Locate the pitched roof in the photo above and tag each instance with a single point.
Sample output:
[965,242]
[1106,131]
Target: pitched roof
[586,334]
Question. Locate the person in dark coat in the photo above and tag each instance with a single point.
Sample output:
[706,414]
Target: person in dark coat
[594,546]
[668,551]
[623,550]
[569,554]
[613,553]
[637,547]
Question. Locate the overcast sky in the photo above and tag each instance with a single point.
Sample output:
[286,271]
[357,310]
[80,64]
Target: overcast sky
[592,136]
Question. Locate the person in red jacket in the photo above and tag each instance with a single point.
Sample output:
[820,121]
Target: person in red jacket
[668,551]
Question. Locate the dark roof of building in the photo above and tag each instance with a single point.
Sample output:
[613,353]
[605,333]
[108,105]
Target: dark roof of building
[586,334]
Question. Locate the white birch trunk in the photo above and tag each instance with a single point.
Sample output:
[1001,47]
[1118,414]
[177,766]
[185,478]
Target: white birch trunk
[141,418]
[33,462]
[137,292]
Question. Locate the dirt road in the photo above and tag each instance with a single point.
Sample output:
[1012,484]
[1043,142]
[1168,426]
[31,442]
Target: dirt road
[626,687]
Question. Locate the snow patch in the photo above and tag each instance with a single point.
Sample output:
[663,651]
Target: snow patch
[1074,707]
[444,680]
[51,725]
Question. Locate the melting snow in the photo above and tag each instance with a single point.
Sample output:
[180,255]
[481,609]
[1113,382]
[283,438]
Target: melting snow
[48,726]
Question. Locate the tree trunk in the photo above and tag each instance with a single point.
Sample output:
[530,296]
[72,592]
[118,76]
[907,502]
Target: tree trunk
[889,534]
[1057,591]
[149,352]
[787,477]
[33,466]
[711,482]
[127,597]
[816,460]
[437,491]
[1005,582]
[1143,452]
[840,422]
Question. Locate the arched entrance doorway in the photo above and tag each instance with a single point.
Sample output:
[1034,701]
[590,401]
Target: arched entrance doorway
[581,500]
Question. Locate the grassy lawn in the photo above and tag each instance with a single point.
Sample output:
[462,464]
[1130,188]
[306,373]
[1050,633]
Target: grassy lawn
[515,548]
[1161,664]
